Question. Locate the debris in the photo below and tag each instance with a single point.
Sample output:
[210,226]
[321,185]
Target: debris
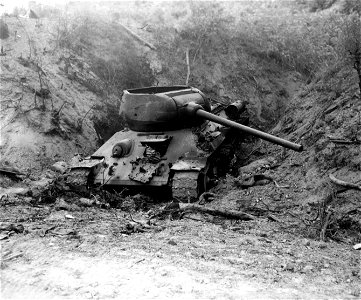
[357,247]
[258,165]
[61,204]
[273,218]
[307,269]
[137,262]
[171,242]
[280,186]
[17,228]
[60,167]
[14,191]
[69,217]
[343,141]
[12,257]
[10,170]
[86,202]
[344,183]
[232,214]
[289,267]
[3,237]
[248,180]
[137,37]
[132,227]
[206,197]
[39,186]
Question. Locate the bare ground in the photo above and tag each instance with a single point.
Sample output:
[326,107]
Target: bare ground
[86,253]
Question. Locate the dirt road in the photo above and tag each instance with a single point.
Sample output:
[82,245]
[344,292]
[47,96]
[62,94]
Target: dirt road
[85,254]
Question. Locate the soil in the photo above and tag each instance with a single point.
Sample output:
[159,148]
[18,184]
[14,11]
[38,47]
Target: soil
[84,254]
[58,247]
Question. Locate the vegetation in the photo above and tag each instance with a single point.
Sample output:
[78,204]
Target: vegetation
[4,30]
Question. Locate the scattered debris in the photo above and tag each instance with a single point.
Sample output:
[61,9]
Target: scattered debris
[357,247]
[60,167]
[258,166]
[248,180]
[344,183]
[232,214]
[13,191]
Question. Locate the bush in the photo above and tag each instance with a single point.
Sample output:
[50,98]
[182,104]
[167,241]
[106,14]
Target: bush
[351,6]
[126,71]
[350,43]
[316,5]
[4,30]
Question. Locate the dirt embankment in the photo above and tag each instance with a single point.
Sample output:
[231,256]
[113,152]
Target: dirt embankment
[46,107]
[63,248]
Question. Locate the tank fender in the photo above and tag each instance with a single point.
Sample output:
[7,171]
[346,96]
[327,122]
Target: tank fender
[196,164]
[88,163]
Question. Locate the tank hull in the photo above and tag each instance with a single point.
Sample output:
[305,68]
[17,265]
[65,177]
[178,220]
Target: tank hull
[147,165]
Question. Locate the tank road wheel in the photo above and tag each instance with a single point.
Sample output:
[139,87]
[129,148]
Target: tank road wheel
[185,186]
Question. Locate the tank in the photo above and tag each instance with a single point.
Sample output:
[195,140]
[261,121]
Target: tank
[174,143]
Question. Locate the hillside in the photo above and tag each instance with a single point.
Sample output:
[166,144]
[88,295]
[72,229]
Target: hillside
[296,63]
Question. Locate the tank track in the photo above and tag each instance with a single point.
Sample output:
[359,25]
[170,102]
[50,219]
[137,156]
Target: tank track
[185,186]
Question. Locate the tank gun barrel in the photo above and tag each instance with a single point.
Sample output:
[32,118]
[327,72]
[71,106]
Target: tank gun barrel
[200,112]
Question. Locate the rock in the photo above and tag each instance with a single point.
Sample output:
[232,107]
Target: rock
[258,165]
[171,242]
[61,204]
[14,191]
[50,174]
[289,267]
[39,186]
[60,166]
[307,269]
[306,242]
[17,228]
[3,237]
[86,202]
[322,245]
[357,247]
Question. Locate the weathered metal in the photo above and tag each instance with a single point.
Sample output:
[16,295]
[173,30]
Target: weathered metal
[174,142]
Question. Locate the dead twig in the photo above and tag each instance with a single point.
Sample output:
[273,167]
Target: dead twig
[12,257]
[137,37]
[346,142]
[344,183]
[232,214]
[188,66]
[325,225]
[206,197]
[280,186]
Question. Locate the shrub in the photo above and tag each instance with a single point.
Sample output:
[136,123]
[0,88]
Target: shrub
[351,6]
[4,30]
[350,43]
[127,71]
[316,5]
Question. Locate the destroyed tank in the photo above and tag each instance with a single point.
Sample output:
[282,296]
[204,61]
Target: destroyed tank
[172,142]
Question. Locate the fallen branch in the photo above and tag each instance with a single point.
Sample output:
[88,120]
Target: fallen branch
[137,37]
[188,67]
[344,183]
[206,197]
[324,226]
[12,257]
[232,214]
[346,142]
